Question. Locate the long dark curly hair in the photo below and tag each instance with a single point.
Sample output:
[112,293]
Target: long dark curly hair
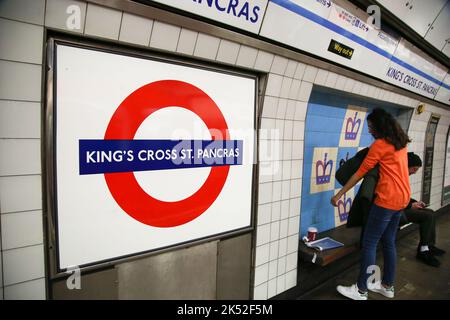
[386,127]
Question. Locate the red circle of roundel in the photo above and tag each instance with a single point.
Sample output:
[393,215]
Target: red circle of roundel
[123,125]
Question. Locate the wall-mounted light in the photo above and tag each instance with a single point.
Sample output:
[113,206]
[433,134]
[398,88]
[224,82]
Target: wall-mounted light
[420,108]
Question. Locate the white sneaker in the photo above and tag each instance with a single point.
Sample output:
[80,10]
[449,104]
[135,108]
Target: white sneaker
[352,292]
[378,288]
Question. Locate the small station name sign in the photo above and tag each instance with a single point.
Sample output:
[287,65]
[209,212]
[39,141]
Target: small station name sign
[340,49]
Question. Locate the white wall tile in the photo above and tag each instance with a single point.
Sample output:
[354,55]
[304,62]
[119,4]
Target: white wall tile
[321,77]
[282,107]
[264,213]
[295,87]
[297,150]
[165,36]
[273,253]
[291,261]
[273,265]
[263,234]
[357,87]
[292,243]
[290,111]
[291,68]
[206,46]
[349,85]
[288,131]
[364,89]
[294,206]
[274,230]
[63,14]
[285,189]
[281,284]
[291,279]
[266,149]
[21,41]
[31,11]
[20,193]
[305,91]
[300,110]
[262,254]
[284,209]
[299,71]
[285,87]
[294,224]
[20,156]
[21,229]
[331,80]
[187,41]
[272,288]
[1,273]
[282,249]
[263,61]
[277,166]
[295,188]
[265,193]
[276,191]
[20,81]
[274,85]
[260,292]
[283,228]
[340,82]
[287,150]
[30,290]
[298,130]
[228,51]
[261,274]
[286,170]
[103,22]
[310,74]
[279,65]
[246,57]
[135,29]
[281,266]
[276,211]
[28,114]
[270,107]
[23,264]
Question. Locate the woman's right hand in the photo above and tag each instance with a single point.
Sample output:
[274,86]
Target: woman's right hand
[335,199]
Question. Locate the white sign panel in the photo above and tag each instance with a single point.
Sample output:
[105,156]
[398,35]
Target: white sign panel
[338,32]
[413,70]
[291,23]
[242,14]
[443,94]
[149,154]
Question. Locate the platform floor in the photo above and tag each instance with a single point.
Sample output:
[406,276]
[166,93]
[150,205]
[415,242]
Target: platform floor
[415,280]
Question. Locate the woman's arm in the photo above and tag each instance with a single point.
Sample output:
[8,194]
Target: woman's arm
[350,183]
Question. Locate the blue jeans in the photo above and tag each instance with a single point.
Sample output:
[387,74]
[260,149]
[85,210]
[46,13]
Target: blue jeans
[381,224]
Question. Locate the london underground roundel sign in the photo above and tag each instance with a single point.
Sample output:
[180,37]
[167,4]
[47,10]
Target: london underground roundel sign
[149,154]
[123,126]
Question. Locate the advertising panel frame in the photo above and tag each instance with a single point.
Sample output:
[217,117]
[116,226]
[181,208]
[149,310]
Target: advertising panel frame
[49,155]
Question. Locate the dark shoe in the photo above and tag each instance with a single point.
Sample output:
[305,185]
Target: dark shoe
[436,251]
[428,258]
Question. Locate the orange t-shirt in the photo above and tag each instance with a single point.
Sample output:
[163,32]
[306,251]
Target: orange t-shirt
[393,191]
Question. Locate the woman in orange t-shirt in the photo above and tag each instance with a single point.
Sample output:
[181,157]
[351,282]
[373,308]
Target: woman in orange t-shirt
[392,195]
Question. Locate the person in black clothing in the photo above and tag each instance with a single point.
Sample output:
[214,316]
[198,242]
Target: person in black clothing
[416,212]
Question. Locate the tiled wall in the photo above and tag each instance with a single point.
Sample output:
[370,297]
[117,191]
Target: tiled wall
[21,47]
[289,86]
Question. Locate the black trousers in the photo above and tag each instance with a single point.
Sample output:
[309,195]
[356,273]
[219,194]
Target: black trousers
[425,219]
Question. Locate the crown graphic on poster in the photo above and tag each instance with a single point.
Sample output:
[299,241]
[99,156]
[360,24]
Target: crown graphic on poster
[343,207]
[352,127]
[324,176]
